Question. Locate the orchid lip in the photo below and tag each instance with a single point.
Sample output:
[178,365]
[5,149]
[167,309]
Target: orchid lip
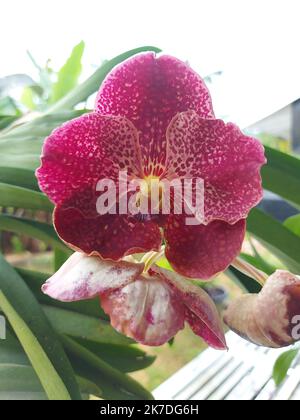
[148,304]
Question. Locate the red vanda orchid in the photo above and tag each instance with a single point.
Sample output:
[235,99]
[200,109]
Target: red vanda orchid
[153,118]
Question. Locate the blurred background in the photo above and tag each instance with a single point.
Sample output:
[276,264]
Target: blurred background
[249,47]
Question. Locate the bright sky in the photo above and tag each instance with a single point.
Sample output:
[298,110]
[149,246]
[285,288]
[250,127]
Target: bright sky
[254,42]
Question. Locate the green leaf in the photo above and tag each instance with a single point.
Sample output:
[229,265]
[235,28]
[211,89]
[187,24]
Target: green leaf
[85,357]
[8,107]
[18,197]
[45,82]
[13,360]
[60,257]
[281,175]
[82,326]
[38,128]
[11,352]
[28,98]
[24,178]
[38,230]
[21,146]
[293,224]
[88,388]
[124,358]
[69,74]
[36,336]
[109,389]
[276,237]
[24,160]
[91,85]
[259,263]
[282,365]
[243,281]
[20,379]
[20,382]
[6,121]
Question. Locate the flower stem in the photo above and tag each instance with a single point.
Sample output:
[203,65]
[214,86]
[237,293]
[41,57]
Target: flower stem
[251,271]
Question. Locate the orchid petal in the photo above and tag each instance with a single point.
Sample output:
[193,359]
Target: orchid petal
[202,251]
[145,310]
[267,318]
[201,312]
[223,157]
[150,91]
[85,150]
[109,236]
[277,305]
[240,317]
[83,277]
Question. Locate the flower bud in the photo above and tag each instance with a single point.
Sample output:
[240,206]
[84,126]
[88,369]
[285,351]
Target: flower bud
[269,318]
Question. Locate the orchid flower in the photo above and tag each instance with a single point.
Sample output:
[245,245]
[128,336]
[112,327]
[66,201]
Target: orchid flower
[154,119]
[272,317]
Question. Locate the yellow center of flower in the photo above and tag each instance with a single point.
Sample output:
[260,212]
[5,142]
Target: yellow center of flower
[151,193]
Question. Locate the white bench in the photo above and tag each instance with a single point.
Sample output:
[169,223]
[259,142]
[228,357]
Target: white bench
[242,373]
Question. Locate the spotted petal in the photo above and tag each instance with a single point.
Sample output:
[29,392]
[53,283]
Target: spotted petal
[110,236]
[220,154]
[85,150]
[83,277]
[146,310]
[202,251]
[150,91]
[201,312]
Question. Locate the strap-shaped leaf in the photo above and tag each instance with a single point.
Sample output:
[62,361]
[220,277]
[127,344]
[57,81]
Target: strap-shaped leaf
[91,85]
[36,335]
[11,351]
[243,281]
[60,257]
[94,367]
[24,178]
[68,75]
[5,121]
[32,228]
[36,129]
[24,160]
[293,224]
[20,382]
[83,326]
[276,237]
[21,146]
[123,358]
[18,197]
[281,175]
